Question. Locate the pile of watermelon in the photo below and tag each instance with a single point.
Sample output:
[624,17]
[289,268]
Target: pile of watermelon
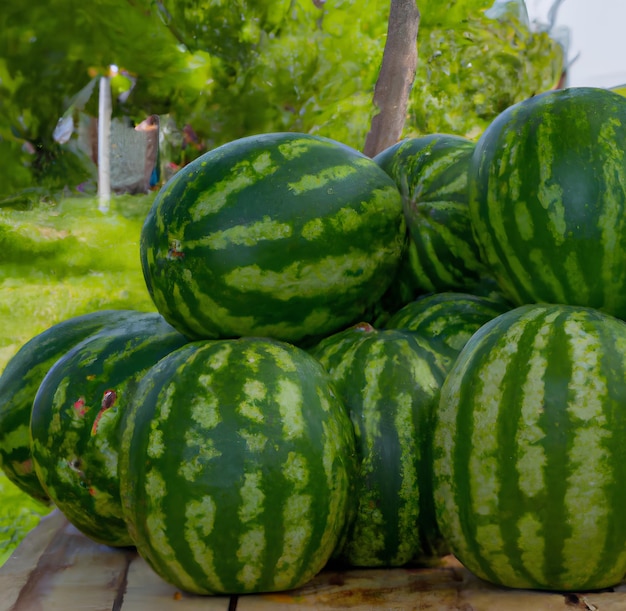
[356,362]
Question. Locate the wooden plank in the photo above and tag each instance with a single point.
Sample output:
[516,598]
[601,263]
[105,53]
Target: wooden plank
[450,587]
[69,569]
[15,572]
[58,568]
[146,591]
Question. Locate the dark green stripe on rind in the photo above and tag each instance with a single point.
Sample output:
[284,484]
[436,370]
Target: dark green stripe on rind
[390,383]
[283,235]
[547,199]
[529,452]
[236,466]
[76,415]
[431,173]
[19,383]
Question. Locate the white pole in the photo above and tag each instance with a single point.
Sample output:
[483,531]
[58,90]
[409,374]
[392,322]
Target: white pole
[104,144]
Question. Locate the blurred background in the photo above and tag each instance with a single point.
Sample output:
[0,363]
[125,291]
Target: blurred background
[597,45]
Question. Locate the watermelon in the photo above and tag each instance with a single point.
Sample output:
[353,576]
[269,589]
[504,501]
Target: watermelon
[236,467]
[530,450]
[431,174]
[76,415]
[19,383]
[448,319]
[548,199]
[283,235]
[390,383]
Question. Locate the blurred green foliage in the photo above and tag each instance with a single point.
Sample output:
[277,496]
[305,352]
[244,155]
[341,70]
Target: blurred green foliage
[231,69]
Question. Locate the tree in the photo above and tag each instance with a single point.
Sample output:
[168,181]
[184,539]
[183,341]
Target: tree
[249,66]
[395,81]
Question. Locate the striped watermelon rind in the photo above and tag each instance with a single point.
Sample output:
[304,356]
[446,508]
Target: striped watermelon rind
[76,418]
[431,173]
[448,319]
[390,383]
[283,235]
[547,199]
[19,383]
[236,467]
[529,452]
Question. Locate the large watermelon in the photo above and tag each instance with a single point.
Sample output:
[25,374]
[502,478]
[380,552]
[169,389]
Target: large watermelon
[530,450]
[431,174]
[390,383]
[548,199]
[236,466]
[76,415]
[284,235]
[21,379]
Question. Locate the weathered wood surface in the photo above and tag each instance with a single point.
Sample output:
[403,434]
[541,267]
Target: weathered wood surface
[58,568]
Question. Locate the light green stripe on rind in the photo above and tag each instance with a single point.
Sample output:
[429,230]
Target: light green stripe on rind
[250,406]
[310,182]
[252,541]
[201,516]
[290,405]
[549,192]
[14,439]
[531,456]
[297,524]
[296,519]
[532,543]
[430,261]
[243,174]
[335,441]
[156,527]
[242,235]
[444,443]
[409,498]
[543,271]
[367,541]
[588,455]
[302,280]
[611,218]
[200,451]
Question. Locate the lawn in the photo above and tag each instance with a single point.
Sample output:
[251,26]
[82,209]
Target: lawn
[60,260]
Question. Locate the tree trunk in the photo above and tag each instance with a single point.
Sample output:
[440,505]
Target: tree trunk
[395,80]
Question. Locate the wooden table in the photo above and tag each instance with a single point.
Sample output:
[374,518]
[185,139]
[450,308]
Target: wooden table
[56,568]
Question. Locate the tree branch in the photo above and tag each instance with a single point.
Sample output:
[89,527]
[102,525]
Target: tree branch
[395,80]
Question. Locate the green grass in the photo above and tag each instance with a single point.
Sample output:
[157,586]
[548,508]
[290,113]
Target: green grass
[18,515]
[59,261]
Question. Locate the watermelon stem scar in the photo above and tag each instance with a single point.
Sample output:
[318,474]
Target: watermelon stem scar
[108,400]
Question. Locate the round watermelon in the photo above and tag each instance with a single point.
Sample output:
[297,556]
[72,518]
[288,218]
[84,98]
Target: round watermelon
[19,383]
[236,467]
[284,235]
[530,450]
[390,383]
[76,415]
[547,199]
[431,173]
